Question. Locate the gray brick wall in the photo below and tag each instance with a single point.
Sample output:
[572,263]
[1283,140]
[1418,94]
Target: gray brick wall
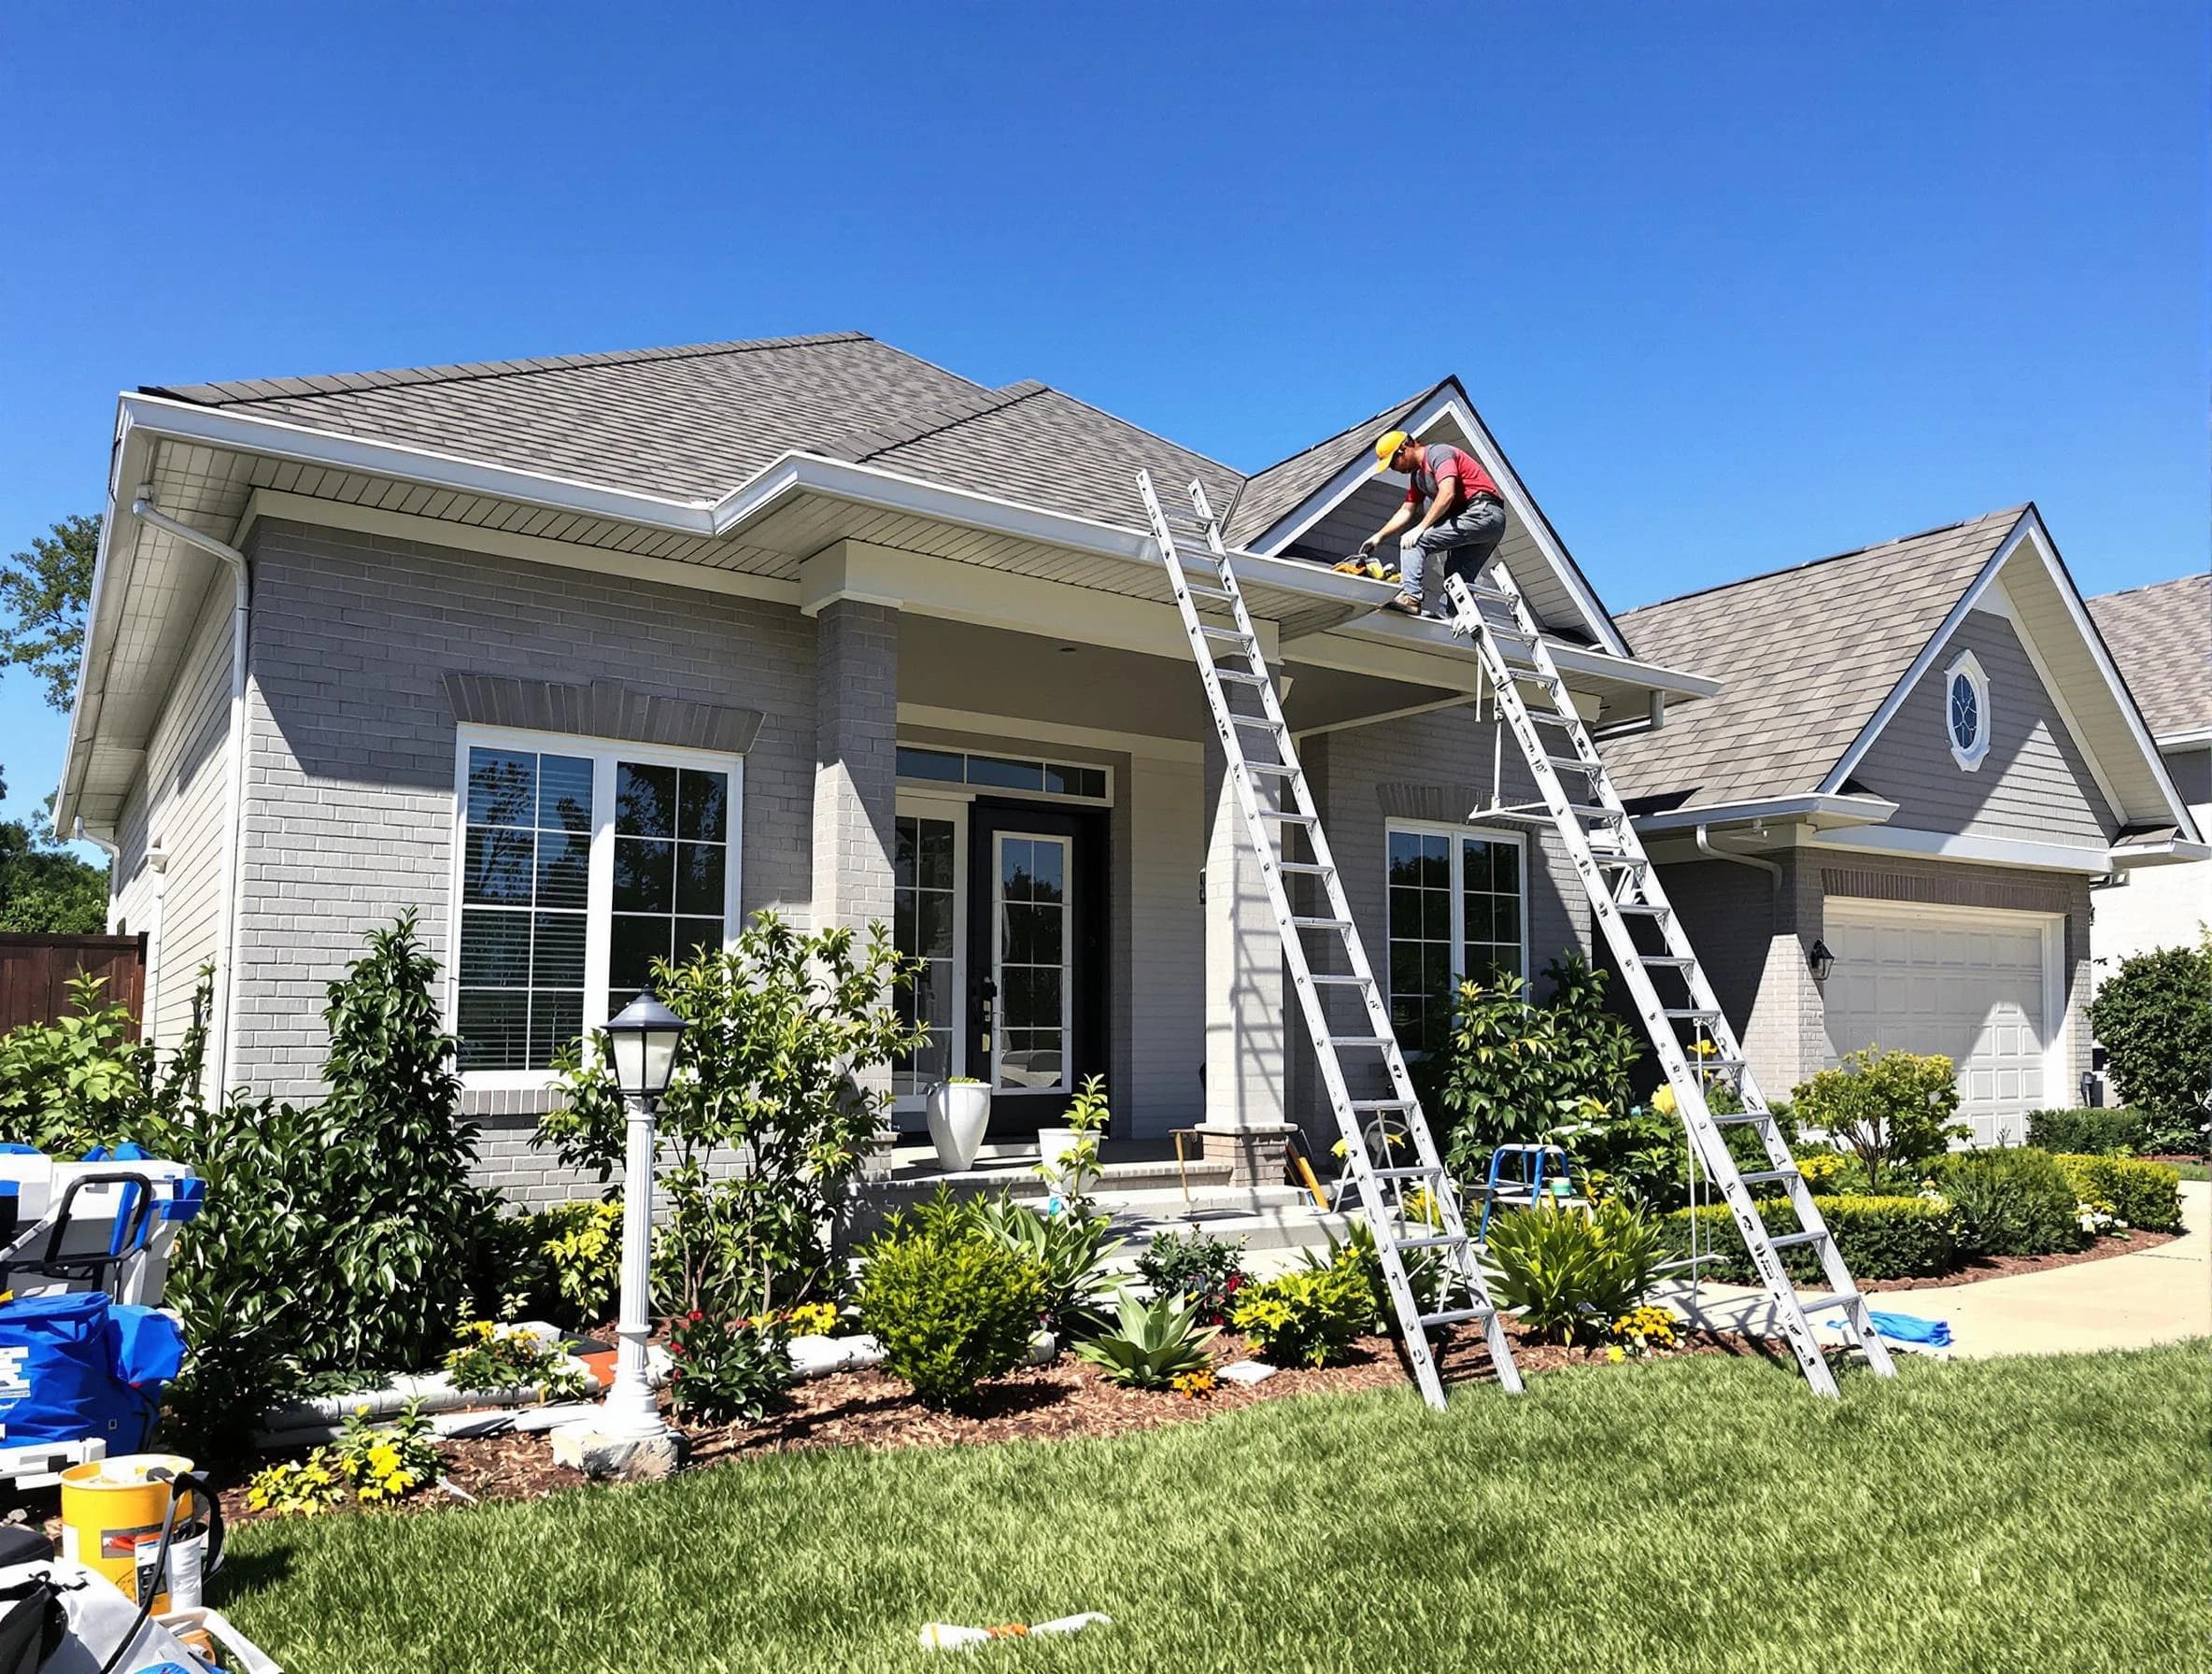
[351,751]
[856,762]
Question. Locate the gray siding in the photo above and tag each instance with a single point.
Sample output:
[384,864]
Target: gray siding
[351,739]
[2034,783]
[179,804]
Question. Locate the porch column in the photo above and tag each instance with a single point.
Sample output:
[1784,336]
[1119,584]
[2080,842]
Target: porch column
[856,771]
[1247,1028]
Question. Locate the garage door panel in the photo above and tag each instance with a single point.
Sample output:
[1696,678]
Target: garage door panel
[1970,988]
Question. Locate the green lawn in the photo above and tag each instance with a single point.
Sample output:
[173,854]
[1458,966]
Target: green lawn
[1707,1514]
[2191,1170]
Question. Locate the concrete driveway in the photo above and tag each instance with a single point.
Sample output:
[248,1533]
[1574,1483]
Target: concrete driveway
[2122,1303]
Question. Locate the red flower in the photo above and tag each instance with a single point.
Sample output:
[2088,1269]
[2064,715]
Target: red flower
[694,1316]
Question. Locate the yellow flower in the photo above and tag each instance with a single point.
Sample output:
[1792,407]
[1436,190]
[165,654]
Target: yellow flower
[1663,1101]
[1615,1355]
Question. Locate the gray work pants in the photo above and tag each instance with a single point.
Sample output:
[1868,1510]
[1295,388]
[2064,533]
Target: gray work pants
[1466,539]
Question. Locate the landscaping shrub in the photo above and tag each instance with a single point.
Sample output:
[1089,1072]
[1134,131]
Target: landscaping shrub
[1891,1109]
[2086,1132]
[1879,1238]
[579,1246]
[2010,1202]
[1069,1250]
[727,1371]
[782,1025]
[87,1079]
[1307,1316]
[2154,1016]
[375,1463]
[1571,1271]
[951,1305]
[2144,1195]
[1204,1271]
[497,1357]
[1151,1345]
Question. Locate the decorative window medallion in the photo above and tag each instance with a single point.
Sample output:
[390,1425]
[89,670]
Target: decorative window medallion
[1967,710]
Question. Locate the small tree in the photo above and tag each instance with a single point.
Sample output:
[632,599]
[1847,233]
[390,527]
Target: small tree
[43,595]
[1889,1109]
[2154,1016]
[766,1121]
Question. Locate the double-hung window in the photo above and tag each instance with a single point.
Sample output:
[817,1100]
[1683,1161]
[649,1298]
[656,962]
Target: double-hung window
[1458,908]
[579,862]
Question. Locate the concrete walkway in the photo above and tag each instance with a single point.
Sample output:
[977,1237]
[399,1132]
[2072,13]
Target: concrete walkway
[2121,1302]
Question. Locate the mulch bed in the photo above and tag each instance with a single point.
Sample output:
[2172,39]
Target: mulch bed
[1066,1400]
[2004,1266]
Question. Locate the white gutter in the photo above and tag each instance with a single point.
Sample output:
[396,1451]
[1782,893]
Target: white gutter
[1772,868]
[144,509]
[1810,809]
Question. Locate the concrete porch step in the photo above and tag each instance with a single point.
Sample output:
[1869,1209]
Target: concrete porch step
[1011,1169]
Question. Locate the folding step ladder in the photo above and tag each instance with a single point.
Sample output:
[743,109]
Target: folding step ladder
[1271,791]
[1624,892]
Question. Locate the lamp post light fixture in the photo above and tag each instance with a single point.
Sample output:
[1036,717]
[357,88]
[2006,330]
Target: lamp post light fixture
[1818,960]
[644,1034]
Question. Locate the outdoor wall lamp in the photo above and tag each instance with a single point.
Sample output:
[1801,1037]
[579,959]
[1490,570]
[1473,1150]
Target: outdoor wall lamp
[1818,960]
[644,1034]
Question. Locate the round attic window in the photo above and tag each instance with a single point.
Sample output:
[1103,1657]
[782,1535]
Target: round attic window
[1967,711]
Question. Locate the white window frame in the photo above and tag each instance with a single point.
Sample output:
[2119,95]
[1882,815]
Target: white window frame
[963,790]
[603,753]
[1965,664]
[949,804]
[1459,834]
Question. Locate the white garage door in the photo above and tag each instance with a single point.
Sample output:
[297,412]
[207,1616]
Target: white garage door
[1975,987]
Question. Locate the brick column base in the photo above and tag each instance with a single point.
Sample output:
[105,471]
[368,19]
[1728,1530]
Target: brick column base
[1255,1156]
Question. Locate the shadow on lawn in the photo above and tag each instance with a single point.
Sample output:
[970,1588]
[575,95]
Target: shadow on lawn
[246,1573]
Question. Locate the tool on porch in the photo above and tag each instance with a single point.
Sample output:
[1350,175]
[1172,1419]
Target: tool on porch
[1273,795]
[1522,1176]
[1625,897]
[1301,1168]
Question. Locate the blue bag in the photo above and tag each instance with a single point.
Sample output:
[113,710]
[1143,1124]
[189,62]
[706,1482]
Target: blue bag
[80,1366]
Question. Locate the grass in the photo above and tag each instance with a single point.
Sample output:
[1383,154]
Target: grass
[1706,1514]
[2191,1170]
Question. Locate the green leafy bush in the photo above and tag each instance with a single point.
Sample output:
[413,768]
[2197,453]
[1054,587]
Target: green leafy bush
[375,1463]
[783,1025]
[1571,1272]
[1879,1238]
[1891,1110]
[950,1305]
[2086,1132]
[1069,1250]
[1427,1274]
[1307,1316]
[2145,1195]
[1205,1272]
[727,1371]
[86,1079]
[580,1244]
[2154,1016]
[494,1356]
[1151,1345]
[2011,1203]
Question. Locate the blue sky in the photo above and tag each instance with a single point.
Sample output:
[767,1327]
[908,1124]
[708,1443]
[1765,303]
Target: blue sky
[1735,285]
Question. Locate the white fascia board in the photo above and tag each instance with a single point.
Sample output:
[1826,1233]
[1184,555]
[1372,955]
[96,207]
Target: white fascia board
[1444,404]
[2183,741]
[2029,531]
[1813,809]
[2166,851]
[2089,861]
[128,460]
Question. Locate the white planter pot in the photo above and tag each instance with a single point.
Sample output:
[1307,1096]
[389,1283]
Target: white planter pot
[958,1112]
[1054,1143]
[1053,1147]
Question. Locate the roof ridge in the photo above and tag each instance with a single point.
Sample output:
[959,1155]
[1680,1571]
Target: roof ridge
[239,391]
[1396,409]
[2013,512]
[859,445]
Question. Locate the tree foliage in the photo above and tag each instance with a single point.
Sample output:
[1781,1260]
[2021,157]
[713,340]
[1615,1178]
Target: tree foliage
[2154,1016]
[44,593]
[45,891]
[1891,1109]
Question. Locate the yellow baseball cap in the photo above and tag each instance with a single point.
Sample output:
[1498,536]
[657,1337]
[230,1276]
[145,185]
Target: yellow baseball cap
[1392,441]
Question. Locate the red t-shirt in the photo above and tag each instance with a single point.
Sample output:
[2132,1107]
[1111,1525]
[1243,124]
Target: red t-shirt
[1441,460]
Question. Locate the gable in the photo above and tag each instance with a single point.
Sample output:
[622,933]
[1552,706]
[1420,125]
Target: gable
[2032,784]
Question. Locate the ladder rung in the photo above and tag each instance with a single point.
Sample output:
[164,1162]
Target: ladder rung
[1576,762]
[1305,868]
[1239,677]
[1377,1041]
[1428,1243]
[1423,1172]
[1264,723]
[1288,816]
[1770,1176]
[1453,1316]
[1382,1104]
[1685,1013]
[1621,857]
[1596,810]
[1323,924]
[1789,1241]
[1335,981]
[1742,1118]
[1286,770]
[1841,1298]
[1673,960]
[1214,631]
[1195,592]
[1643,909]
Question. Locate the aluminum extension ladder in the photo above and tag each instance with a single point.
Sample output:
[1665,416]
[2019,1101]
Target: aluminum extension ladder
[1625,891]
[1436,1234]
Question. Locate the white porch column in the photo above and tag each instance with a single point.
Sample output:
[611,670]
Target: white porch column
[1247,1027]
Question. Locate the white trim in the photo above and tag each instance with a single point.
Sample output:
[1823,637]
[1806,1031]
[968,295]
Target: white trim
[1020,728]
[1459,832]
[1065,845]
[2166,851]
[2092,861]
[967,790]
[2057,1023]
[2182,741]
[1967,666]
[952,808]
[603,753]
[1811,808]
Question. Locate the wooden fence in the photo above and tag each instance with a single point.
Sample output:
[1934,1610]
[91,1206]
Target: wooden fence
[35,972]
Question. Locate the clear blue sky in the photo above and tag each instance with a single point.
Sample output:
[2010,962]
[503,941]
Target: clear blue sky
[1735,285]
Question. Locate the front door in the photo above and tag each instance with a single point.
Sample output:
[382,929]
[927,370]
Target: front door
[1036,957]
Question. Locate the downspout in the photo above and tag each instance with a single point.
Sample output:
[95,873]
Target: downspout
[143,508]
[1772,868]
[112,850]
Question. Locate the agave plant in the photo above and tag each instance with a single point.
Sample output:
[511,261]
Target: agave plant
[1070,1249]
[1151,1345]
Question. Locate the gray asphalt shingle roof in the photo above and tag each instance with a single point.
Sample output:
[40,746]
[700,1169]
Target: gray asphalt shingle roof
[1806,655]
[1277,491]
[2162,638]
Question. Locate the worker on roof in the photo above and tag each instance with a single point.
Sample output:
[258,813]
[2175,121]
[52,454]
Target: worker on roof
[1464,519]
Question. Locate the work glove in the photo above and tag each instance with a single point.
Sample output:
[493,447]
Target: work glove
[1409,542]
[1360,562]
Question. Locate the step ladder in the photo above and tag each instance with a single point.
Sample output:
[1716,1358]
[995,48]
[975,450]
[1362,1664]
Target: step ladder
[1272,792]
[1625,894]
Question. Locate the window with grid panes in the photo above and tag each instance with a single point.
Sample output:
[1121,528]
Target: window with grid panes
[1455,912]
[922,897]
[672,851]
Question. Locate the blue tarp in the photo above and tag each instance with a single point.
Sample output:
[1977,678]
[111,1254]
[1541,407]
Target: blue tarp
[81,1365]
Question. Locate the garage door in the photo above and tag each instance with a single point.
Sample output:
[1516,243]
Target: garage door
[1971,985]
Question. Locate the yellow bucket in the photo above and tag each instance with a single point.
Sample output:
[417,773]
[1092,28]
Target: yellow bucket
[112,1520]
